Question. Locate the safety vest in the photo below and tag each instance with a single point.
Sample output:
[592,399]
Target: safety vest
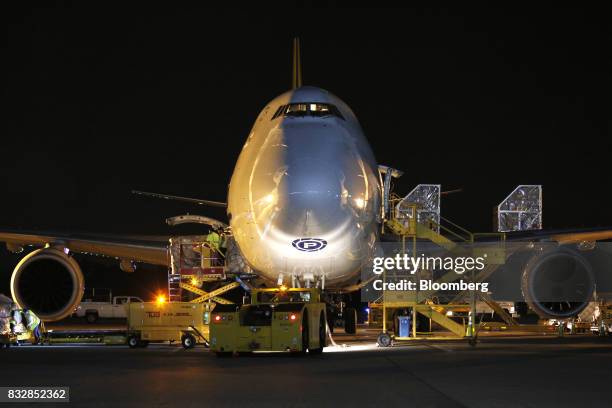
[32,319]
[214,240]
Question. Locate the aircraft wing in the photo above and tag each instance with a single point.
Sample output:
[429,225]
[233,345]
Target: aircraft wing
[566,236]
[581,236]
[148,249]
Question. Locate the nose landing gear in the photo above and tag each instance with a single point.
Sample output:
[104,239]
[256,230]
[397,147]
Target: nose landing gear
[338,315]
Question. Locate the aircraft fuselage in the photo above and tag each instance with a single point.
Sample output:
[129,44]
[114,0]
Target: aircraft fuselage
[304,198]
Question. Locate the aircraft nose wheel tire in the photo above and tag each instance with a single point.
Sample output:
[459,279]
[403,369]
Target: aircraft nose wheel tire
[384,340]
[188,341]
[322,335]
[133,341]
[350,320]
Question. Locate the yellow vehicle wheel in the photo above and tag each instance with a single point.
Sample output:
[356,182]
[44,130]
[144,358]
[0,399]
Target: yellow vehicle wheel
[321,337]
[133,341]
[305,334]
[188,341]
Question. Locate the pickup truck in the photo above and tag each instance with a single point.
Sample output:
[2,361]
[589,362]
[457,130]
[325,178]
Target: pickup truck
[116,308]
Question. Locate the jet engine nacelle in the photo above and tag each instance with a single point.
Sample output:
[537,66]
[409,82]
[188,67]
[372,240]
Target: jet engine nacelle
[49,282]
[558,283]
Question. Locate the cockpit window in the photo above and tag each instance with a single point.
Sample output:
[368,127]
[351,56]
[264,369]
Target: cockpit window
[307,109]
[296,109]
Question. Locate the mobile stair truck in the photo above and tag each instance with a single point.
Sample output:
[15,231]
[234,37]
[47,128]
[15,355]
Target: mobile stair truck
[171,322]
[277,319]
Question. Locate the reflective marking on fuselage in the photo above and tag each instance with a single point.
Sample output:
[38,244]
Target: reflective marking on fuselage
[309,244]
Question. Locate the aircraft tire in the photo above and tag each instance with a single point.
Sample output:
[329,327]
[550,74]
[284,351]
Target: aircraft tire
[350,320]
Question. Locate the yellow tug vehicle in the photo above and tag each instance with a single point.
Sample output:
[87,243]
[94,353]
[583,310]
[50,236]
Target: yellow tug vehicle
[278,319]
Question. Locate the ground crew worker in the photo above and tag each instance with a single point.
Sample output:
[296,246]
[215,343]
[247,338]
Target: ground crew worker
[215,242]
[213,239]
[561,328]
[33,323]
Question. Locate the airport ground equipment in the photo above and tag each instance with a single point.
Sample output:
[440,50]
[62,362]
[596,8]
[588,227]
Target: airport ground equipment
[277,319]
[7,336]
[521,210]
[213,295]
[168,322]
[603,325]
[14,327]
[7,339]
[417,217]
[194,261]
[108,337]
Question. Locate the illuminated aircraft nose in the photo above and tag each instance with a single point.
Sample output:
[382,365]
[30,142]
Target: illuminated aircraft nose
[310,198]
[322,188]
[304,197]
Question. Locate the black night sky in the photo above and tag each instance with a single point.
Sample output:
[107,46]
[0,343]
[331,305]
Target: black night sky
[99,101]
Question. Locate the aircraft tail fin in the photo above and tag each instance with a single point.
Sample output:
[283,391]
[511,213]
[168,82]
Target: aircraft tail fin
[297,64]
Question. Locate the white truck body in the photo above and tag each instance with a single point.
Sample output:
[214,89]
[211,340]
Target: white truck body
[117,308]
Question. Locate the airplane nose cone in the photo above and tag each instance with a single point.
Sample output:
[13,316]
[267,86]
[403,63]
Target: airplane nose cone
[312,201]
[304,198]
[308,180]
[324,187]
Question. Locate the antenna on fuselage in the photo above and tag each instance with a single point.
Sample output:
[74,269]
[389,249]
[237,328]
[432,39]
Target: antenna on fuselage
[297,64]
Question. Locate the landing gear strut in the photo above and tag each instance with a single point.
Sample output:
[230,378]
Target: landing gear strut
[338,315]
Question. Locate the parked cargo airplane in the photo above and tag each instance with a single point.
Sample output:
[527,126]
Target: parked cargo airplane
[304,207]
